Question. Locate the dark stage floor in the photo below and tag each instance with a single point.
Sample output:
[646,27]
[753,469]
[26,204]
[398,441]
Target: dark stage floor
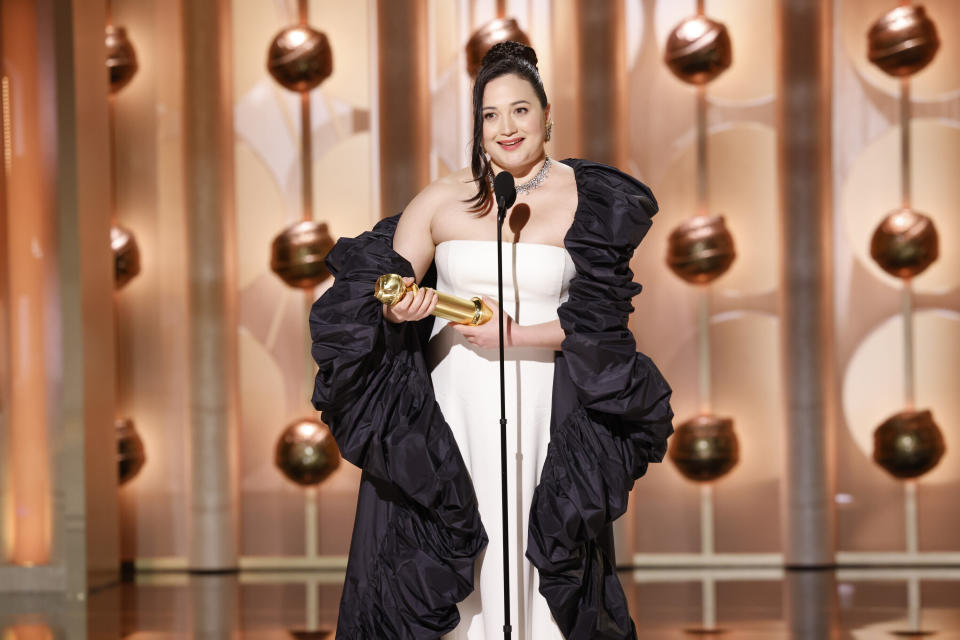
[667,603]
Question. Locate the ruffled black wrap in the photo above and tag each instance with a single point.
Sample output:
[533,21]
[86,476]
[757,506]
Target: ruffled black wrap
[611,413]
[418,531]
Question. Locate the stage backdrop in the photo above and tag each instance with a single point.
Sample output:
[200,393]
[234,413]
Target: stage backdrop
[653,135]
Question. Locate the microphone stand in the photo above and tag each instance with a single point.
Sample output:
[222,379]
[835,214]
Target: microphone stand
[501,215]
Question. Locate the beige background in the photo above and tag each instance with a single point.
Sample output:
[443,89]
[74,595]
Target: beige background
[274,369]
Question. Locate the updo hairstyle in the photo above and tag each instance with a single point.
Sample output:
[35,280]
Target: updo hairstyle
[502,59]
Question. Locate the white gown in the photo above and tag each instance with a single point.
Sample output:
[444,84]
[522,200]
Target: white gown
[467,386]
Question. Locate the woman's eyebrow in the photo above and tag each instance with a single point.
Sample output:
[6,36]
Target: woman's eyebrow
[515,102]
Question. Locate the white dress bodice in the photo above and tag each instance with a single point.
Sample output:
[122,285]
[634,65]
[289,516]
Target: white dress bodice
[466,384]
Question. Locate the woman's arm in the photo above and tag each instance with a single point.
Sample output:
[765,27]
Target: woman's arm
[414,241]
[487,335]
[545,334]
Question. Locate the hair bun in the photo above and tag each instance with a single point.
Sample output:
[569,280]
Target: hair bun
[510,49]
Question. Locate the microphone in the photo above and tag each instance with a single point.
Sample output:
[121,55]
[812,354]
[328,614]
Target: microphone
[505,193]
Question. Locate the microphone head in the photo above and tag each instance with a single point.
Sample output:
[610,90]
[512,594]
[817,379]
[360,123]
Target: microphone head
[504,190]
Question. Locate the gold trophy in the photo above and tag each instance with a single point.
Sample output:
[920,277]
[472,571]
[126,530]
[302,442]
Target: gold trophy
[390,289]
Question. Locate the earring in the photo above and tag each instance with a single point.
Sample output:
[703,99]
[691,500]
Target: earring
[546,137]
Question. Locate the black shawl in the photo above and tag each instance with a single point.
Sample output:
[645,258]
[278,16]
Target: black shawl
[417,532]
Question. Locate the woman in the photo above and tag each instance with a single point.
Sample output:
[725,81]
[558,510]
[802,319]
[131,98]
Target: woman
[582,423]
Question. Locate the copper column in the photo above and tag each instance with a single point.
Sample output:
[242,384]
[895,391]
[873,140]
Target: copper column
[403,96]
[208,186]
[602,81]
[807,337]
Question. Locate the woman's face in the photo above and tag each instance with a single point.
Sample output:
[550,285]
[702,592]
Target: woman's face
[514,124]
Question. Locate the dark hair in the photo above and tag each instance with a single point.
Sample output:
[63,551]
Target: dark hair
[502,59]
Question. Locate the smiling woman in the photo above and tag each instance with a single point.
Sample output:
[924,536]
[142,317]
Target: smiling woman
[418,410]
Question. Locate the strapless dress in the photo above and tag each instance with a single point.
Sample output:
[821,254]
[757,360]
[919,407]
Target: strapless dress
[467,387]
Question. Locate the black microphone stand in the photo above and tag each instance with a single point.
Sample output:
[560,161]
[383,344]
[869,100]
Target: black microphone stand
[507,629]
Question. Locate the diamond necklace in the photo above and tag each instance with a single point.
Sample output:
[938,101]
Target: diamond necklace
[532,183]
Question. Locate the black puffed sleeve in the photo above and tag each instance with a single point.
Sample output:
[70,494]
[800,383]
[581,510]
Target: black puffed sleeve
[417,531]
[611,412]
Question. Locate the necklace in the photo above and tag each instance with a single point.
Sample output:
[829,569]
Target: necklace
[535,181]
[532,183]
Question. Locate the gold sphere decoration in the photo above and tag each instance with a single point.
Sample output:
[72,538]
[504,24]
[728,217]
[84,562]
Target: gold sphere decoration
[700,250]
[389,288]
[905,243]
[903,41]
[489,34]
[126,256]
[298,253]
[300,58]
[121,58]
[705,448]
[698,50]
[908,444]
[306,452]
[131,455]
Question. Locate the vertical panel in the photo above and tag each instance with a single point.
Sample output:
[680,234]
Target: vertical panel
[805,305]
[871,511]
[60,278]
[30,238]
[208,167]
[275,366]
[404,126]
[5,498]
[564,95]
[152,309]
[86,487]
[602,78]
[743,317]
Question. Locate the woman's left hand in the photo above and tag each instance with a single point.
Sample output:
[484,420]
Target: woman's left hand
[487,335]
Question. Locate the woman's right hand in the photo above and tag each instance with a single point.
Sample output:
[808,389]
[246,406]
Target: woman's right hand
[411,306]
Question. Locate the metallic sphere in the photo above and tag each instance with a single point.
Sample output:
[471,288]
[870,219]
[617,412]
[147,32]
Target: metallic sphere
[489,34]
[297,254]
[908,444]
[121,58]
[130,453]
[389,288]
[698,50]
[705,448]
[903,41]
[701,249]
[126,256]
[300,58]
[306,452]
[905,243]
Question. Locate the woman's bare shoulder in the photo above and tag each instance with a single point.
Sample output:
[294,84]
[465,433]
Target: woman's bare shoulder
[440,193]
[459,184]
[436,199]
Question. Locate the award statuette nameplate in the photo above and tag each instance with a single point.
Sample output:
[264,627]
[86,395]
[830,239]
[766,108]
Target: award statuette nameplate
[390,289]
